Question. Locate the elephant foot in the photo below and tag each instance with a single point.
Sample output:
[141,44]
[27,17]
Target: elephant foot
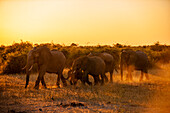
[36,87]
[58,85]
[102,83]
[45,87]
[25,86]
[65,84]
[71,83]
[106,80]
[90,84]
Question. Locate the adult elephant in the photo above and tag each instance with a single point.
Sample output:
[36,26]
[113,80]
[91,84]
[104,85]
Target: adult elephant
[94,66]
[134,60]
[109,61]
[48,61]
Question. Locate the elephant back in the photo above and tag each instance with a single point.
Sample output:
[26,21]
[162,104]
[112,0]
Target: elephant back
[59,57]
[142,60]
[96,65]
[57,62]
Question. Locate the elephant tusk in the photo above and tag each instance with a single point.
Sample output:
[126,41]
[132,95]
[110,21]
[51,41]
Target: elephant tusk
[74,71]
[30,68]
[24,68]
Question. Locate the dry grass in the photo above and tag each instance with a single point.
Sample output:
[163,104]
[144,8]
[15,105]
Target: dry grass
[146,96]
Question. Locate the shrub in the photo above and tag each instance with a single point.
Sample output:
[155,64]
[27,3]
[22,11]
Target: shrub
[13,58]
[15,63]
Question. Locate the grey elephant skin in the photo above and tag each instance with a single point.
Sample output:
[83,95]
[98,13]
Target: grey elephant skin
[109,61]
[94,66]
[75,76]
[134,60]
[48,61]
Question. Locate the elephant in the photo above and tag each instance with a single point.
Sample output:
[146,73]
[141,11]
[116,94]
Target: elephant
[94,66]
[134,60]
[109,61]
[48,61]
[75,76]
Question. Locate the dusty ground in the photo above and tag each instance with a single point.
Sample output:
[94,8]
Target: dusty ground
[145,97]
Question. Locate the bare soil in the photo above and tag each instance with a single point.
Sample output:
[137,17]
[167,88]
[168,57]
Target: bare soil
[134,96]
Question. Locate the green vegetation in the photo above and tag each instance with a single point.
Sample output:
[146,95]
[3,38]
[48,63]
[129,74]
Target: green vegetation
[13,58]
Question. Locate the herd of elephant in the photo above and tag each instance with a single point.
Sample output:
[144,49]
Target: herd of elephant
[95,64]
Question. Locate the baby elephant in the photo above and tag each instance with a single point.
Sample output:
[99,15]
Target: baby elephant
[74,76]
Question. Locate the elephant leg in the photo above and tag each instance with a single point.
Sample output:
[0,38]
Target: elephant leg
[42,71]
[58,80]
[88,82]
[43,82]
[27,81]
[146,75]
[127,76]
[63,80]
[60,76]
[131,68]
[102,81]
[84,77]
[141,77]
[96,80]
[105,77]
[75,81]
[71,82]
[130,75]
[38,82]
[111,75]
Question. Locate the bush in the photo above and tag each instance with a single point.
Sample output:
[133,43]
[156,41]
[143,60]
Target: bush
[13,58]
[14,64]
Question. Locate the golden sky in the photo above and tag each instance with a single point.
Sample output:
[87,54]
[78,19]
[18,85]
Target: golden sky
[92,22]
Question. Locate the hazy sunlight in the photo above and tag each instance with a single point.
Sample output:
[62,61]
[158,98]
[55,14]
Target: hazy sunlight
[131,22]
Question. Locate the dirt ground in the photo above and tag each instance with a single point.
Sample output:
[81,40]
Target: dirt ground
[151,96]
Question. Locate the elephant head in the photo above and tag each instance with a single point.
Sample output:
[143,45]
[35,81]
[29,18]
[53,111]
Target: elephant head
[39,56]
[94,66]
[81,68]
[128,58]
[74,76]
[80,63]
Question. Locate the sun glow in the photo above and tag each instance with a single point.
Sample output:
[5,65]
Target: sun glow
[96,22]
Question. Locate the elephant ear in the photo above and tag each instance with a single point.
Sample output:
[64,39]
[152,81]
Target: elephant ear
[84,62]
[44,55]
[36,54]
[132,57]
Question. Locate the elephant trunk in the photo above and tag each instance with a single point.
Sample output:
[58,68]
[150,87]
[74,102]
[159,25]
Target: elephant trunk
[28,70]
